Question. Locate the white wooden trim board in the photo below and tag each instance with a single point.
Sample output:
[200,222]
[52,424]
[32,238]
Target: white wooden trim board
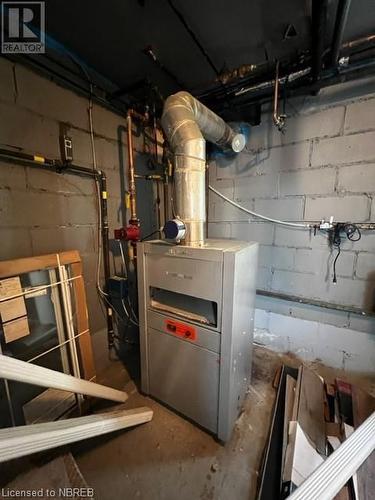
[20,371]
[328,479]
[20,441]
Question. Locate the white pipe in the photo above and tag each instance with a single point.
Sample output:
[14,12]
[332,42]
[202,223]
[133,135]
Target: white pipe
[304,225]
[20,371]
[27,439]
[328,479]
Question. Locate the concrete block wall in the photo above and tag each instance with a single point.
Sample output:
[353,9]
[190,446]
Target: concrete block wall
[323,166]
[332,345]
[43,212]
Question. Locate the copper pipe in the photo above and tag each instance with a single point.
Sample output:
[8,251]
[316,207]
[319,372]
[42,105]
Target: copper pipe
[358,42]
[276,95]
[131,171]
[278,120]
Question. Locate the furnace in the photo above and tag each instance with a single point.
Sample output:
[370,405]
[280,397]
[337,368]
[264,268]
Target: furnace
[196,307]
[196,296]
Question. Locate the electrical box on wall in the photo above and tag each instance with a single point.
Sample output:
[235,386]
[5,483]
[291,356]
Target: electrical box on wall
[66,148]
[118,287]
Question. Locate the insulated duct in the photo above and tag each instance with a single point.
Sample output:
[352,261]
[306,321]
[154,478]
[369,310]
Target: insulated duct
[188,124]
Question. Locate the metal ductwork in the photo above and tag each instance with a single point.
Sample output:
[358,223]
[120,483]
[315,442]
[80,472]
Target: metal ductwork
[188,124]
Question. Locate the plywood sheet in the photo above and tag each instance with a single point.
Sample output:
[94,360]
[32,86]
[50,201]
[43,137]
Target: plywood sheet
[288,410]
[297,392]
[271,476]
[13,308]
[344,390]
[84,341]
[16,329]
[305,459]
[48,406]
[310,414]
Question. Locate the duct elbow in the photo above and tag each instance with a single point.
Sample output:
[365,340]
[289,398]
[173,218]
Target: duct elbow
[185,119]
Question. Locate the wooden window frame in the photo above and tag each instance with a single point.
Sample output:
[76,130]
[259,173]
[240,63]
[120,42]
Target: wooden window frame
[71,258]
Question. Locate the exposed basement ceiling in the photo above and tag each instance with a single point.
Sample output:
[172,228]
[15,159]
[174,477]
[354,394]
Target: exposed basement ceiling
[111,39]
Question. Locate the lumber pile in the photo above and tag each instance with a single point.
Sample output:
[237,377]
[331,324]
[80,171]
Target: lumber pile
[311,419]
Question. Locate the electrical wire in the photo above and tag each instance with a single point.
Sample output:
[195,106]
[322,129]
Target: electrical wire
[334,264]
[95,168]
[100,221]
[158,231]
[351,231]
[124,265]
[304,225]
[134,318]
[113,308]
[117,317]
[132,311]
[99,243]
[366,226]
[124,261]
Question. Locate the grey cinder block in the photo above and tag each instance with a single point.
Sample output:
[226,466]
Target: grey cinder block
[342,208]
[7,89]
[15,243]
[57,239]
[357,178]
[287,209]
[360,116]
[365,267]
[262,232]
[256,186]
[344,149]
[316,181]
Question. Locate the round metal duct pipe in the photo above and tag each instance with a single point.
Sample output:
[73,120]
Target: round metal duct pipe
[188,124]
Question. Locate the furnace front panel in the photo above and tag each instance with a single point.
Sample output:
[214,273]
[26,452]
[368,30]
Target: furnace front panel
[196,307]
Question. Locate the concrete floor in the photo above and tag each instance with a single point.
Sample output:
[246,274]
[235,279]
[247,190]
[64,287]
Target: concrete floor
[170,458]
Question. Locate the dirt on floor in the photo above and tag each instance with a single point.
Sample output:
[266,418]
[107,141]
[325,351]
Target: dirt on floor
[170,458]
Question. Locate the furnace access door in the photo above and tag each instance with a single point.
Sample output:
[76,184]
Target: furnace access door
[196,308]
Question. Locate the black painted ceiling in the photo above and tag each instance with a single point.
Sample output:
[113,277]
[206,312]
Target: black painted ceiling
[111,36]
[105,41]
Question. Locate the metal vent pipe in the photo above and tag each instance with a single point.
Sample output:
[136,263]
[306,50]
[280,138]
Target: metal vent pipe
[188,124]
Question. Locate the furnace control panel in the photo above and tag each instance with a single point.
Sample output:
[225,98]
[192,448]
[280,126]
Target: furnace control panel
[181,330]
